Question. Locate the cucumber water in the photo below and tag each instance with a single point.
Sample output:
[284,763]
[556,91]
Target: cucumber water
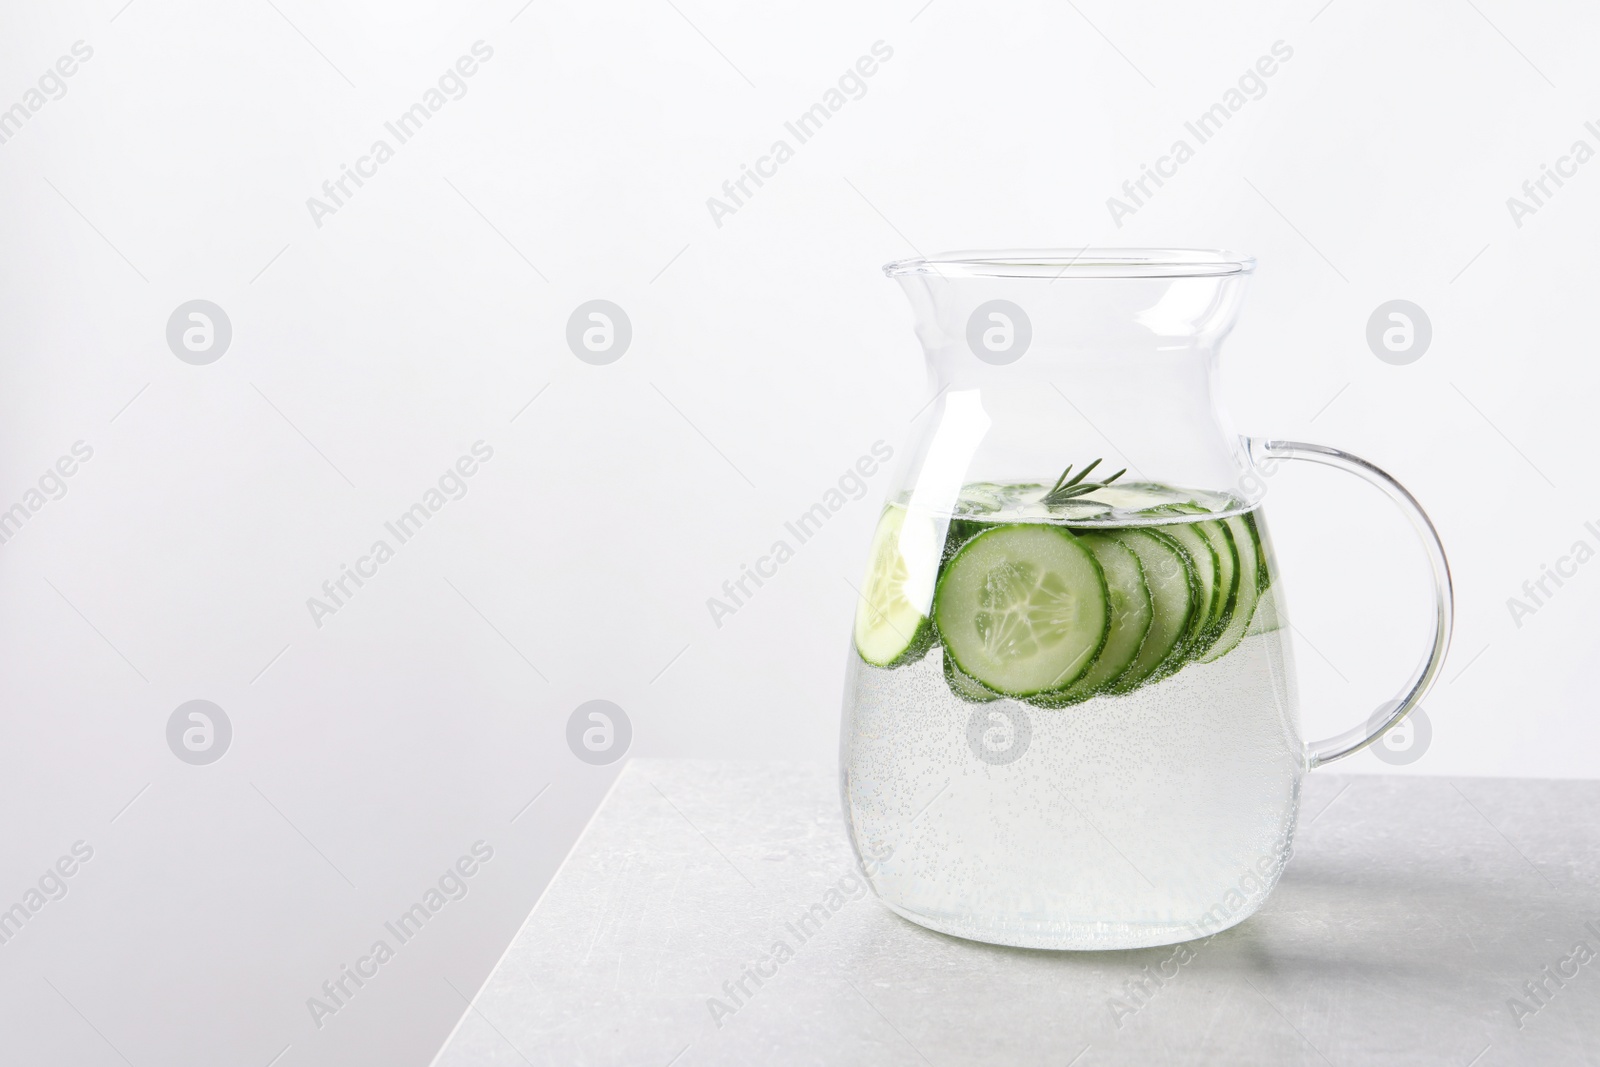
[1026,663]
[1053,604]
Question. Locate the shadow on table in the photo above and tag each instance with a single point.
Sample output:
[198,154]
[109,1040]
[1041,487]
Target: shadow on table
[1339,923]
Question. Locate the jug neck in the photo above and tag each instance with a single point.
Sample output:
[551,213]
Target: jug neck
[1040,314]
[1068,357]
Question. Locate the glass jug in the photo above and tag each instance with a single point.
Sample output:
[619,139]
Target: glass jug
[1070,715]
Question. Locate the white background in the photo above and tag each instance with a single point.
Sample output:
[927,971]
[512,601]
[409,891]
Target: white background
[767,355]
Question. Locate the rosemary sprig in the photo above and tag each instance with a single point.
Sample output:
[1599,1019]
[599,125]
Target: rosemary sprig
[1065,490]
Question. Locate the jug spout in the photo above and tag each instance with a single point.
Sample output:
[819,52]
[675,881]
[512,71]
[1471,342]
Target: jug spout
[1074,355]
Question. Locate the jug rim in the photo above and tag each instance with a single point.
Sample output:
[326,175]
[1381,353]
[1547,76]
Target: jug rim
[1052,263]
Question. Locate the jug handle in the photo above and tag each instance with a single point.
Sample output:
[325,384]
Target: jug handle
[1354,740]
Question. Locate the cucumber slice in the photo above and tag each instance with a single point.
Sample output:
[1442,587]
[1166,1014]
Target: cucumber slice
[1269,613]
[1132,614]
[1133,496]
[1203,558]
[891,627]
[1079,510]
[1174,598]
[965,686]
[961,531]
[1229,572]
[1023,608]
[1266,566]
[1223,543]
[981,498]
[1249,591]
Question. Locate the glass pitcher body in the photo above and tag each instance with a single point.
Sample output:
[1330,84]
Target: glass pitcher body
[1070,717]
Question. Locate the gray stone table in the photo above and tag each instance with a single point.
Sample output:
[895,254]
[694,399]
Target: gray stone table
[1414,910]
